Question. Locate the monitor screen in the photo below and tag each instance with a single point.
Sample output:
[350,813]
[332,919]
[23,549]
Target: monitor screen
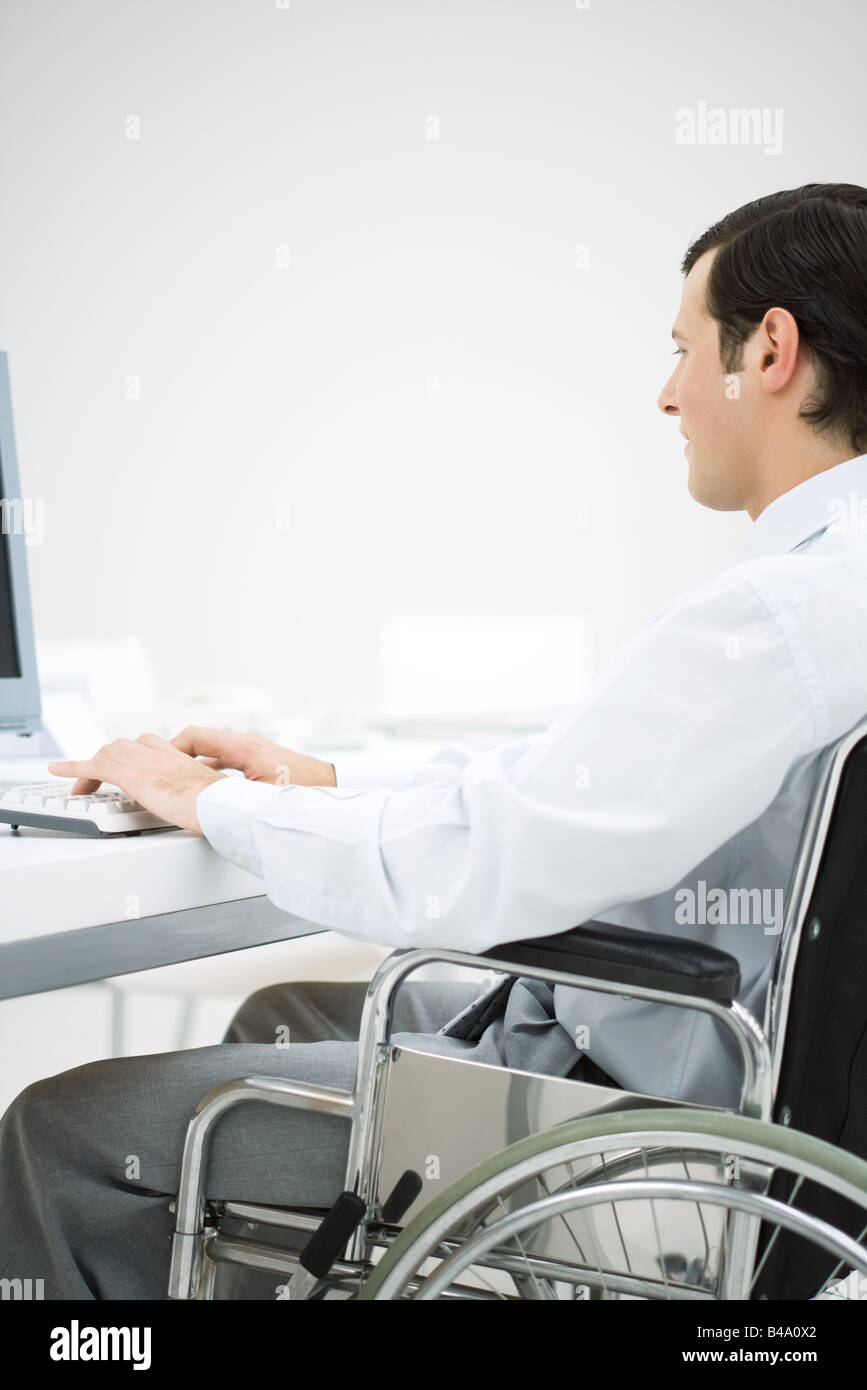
[19,683]
[10,660]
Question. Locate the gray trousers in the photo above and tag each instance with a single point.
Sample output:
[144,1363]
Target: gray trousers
[90,1158]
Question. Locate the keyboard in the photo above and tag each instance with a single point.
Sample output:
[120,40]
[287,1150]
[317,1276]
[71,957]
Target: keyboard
[49,806]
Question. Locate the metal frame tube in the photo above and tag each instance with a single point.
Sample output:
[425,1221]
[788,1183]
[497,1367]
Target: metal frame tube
[187,1240]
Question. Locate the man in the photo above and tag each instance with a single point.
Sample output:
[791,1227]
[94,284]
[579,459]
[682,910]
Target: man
[680,778]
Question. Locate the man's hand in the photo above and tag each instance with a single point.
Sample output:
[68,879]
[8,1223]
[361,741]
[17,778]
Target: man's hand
[155,773]
[259,760]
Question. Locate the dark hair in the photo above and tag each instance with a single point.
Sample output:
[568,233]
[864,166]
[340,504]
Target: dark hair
[804,250]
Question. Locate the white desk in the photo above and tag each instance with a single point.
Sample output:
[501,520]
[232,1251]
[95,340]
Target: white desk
[74,910]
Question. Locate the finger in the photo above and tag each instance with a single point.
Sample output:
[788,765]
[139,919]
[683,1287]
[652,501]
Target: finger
[85,784]
[154,741]
[196,741]
[90,773]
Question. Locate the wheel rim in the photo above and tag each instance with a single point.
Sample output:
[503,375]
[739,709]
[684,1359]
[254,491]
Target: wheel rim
[843,1248]
[766,1144]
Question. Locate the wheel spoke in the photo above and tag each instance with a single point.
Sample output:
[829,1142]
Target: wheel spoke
[840,1265]
[572,1236]
[770,1245]
[701,1221]
[615,1213]
[661,1253]
[531,1273]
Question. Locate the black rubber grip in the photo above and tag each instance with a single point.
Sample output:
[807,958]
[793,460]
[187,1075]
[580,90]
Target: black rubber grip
[328,1241]
[403,1194]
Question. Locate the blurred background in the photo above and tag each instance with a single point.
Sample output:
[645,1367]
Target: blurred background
[335,331]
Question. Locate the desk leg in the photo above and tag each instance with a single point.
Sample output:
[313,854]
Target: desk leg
[117,1019]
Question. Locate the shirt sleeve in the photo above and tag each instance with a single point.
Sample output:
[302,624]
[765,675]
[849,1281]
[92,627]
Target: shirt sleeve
[373,775]
[446,765]
[682,741]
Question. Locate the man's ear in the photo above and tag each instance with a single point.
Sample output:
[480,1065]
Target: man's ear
[779,341]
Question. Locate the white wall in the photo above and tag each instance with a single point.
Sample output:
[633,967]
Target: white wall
[308,388]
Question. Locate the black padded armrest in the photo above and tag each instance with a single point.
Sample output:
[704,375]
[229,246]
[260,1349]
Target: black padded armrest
[607,952]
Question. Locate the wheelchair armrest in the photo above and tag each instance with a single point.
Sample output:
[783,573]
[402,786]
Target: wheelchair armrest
[604,951]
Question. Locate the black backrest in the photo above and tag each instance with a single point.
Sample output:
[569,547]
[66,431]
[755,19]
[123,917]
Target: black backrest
[823,1076]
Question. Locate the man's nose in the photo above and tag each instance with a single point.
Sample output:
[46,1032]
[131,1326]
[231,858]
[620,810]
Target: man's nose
[666,402]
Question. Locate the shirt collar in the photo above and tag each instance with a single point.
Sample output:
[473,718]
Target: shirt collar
[805,510]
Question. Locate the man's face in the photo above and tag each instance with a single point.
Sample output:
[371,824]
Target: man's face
[716,411]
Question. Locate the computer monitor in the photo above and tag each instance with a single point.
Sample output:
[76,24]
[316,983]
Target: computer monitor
[20,709]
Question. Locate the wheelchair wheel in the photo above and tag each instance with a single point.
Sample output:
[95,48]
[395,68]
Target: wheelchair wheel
[656,1203]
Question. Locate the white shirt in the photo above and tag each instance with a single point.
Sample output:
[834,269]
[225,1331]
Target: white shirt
[681,776]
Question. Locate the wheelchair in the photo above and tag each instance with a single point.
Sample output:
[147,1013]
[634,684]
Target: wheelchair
[560,1189]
